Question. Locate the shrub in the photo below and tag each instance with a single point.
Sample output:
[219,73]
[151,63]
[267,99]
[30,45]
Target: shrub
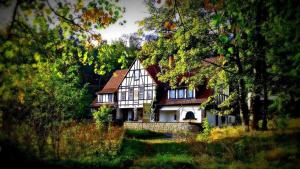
[102,117]
[206,131]
[281,122]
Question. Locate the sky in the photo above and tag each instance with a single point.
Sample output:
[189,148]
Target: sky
[135,11]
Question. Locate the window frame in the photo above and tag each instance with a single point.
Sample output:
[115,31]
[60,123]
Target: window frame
[110,98]
[136,74]
[188,92]
[100,98]
[149,97]
[141,93]
[171,91]
[130,93]
[123,95]
[183,94]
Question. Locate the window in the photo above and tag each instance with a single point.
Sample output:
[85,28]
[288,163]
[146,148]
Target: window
[190,93]
[172,94]
[149,94]
[141,92]
[130,94]
[181,93]
[175,117]
[100,98]
[110,97]
[123,95]
[136,74]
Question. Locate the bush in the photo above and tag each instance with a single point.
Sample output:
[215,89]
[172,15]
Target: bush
[281,122]
[102,117]
[206,131]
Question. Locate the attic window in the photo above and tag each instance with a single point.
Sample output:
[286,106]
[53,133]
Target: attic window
[136,74]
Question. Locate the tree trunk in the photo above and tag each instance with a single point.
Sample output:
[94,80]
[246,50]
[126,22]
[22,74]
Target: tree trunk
[265,103]
[243,105]
[254,110]
[259,68]
[256,93]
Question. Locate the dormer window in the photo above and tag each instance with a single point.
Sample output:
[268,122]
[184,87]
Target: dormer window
[172,94]
[105,98]
[182,93]
[110,97]
[100,98]
[190,94]
[136,74]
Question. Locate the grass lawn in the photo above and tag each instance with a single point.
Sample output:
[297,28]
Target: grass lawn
[228,148]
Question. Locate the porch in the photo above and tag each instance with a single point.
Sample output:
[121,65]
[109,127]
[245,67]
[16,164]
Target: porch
[181,114]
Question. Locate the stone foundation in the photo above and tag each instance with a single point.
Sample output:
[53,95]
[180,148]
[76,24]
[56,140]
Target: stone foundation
[171,127]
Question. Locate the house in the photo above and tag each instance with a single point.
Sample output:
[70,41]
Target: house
[136,94]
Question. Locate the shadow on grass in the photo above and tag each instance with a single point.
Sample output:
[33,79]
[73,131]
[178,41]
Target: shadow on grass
[145,134]
[158,155]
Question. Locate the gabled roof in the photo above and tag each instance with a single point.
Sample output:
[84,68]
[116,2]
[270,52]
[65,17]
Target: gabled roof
[114,82]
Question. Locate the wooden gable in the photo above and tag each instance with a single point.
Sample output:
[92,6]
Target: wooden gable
[138,87]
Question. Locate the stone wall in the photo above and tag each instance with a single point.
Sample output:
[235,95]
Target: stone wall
[171,127]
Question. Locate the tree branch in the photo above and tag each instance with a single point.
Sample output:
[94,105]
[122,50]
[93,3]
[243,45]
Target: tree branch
[13,20]
[65,18]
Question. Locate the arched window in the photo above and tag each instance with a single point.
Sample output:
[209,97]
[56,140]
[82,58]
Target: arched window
[190,116]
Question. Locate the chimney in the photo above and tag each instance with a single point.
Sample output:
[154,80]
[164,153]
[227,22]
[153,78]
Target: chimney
[171,61]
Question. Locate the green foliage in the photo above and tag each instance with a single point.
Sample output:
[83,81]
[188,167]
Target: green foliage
[204,136]
[102,116]
[167,161]
[282,122]
[109,57]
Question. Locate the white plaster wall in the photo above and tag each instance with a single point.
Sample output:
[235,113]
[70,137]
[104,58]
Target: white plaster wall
[182,110]
[211,118]
[167,116]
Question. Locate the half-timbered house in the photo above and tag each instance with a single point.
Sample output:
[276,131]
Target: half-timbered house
[136,94]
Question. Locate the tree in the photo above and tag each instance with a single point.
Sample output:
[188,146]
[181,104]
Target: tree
[191,40]
[236,30]
[281,33]
[44,48]
[54,32]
